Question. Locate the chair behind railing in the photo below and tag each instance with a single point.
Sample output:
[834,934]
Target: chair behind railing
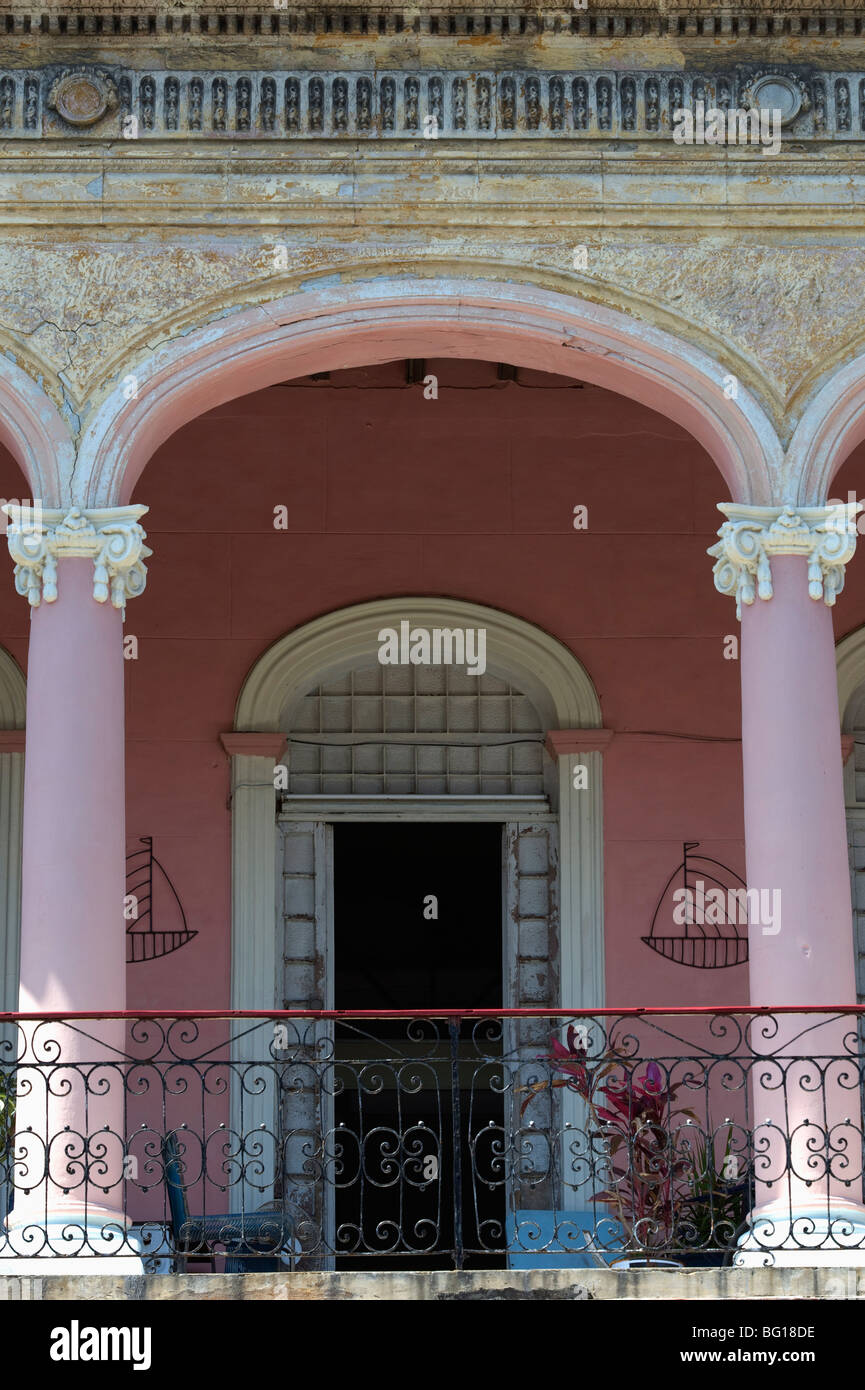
[258,1241]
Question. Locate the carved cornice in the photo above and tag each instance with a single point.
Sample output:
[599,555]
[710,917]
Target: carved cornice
[824,536]
[111,536]
[401,103]
[600,19]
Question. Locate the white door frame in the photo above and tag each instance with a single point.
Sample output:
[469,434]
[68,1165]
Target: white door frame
[514,814]
[545,670]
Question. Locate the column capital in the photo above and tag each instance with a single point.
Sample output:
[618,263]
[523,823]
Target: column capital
[112,537]
[824,536]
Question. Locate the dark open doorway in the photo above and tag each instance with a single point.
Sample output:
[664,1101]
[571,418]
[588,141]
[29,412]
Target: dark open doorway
[387,953]
[418,925]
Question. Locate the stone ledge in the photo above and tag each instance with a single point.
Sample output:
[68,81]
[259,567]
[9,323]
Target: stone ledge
[469,1286]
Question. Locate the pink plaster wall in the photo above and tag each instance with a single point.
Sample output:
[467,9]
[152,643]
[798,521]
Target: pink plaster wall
[469,496]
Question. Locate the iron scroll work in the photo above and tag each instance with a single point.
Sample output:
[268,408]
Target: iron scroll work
[143,943]
[523,1140]
[707,944]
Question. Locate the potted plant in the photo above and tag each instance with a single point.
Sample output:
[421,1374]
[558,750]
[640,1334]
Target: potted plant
[714,1209]
[662,1181]
[634,1118]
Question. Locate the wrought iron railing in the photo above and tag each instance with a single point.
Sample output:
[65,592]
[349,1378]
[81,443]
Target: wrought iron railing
[523,1138]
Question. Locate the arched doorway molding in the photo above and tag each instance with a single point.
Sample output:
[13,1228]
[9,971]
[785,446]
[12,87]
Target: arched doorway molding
[850,665]
[331,326]
[546,671]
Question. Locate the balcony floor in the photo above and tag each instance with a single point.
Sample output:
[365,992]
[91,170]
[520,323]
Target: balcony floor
[482,1285]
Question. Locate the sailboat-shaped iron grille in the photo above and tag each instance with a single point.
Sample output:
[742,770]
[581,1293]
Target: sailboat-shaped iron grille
[701,944]
[142,942]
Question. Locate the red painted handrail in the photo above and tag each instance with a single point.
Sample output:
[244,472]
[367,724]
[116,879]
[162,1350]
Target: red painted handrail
[650,1010]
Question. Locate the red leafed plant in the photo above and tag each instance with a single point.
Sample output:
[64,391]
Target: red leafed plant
[634,1116]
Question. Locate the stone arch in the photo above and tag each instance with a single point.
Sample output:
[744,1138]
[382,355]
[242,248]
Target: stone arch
[850,665]
[329,326]
[548,672]
[831,426]
[34,432]
[13,693]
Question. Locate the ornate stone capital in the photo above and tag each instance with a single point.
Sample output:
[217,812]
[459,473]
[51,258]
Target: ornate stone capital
[824,536]
[38,537]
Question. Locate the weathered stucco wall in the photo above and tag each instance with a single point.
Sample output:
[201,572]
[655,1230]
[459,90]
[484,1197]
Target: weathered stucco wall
[760,263]
[116,239]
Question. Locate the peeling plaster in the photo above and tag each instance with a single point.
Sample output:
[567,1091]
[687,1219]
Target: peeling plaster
[776,316]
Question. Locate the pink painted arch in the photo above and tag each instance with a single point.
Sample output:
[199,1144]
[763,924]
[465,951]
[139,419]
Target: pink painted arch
[831,426]
[34,432]
[335,325]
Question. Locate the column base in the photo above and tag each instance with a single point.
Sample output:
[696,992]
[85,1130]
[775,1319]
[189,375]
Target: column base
[67,1243]
[815,1235]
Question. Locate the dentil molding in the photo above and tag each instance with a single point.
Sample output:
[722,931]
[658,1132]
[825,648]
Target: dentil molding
[112,537]
[134,21]
[825,536]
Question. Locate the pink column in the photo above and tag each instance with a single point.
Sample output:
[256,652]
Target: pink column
[73,878]
[795,830]
[808,1194]
[70,1117]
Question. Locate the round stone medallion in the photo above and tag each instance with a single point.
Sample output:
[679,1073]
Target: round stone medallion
[776,93]
[81,98]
